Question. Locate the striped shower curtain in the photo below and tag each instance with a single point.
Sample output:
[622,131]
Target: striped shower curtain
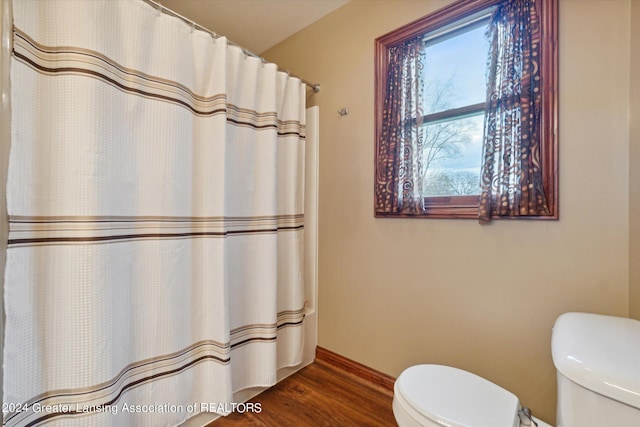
[155,198]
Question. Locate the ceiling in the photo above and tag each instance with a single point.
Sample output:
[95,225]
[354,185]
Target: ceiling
[255,25]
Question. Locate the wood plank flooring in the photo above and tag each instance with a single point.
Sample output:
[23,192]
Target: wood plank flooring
[319,395]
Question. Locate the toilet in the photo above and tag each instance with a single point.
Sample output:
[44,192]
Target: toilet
[597,360]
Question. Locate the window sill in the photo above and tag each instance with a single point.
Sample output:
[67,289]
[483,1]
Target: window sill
[456,207]
[464,207]
[452,207]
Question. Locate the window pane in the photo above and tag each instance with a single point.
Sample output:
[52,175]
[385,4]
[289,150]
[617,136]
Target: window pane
[453,150]
[455,70]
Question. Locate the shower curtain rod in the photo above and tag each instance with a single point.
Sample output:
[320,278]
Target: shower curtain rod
[314,86]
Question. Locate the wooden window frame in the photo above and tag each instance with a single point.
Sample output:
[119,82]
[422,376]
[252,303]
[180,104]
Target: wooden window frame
[467,206]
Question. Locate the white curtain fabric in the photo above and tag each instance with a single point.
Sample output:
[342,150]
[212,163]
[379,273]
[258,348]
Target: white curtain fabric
[155,196]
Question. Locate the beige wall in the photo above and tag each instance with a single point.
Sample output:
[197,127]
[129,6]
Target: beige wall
[397,292]
[634,166]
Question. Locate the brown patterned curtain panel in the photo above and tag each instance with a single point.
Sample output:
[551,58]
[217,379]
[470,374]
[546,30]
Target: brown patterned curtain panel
[511,178]
[400,151]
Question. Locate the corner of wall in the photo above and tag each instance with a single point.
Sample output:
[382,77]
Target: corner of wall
[634,162]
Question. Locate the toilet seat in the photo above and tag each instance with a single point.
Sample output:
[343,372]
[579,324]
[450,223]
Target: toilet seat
[449,396]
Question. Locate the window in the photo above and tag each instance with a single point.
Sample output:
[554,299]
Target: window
[435,134]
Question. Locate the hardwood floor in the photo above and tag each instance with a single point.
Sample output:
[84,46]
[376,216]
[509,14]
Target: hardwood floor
[322,394]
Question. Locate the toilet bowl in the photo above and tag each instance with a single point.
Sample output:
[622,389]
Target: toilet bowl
[598,366]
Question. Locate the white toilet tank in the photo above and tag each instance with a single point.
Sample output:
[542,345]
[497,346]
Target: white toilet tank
[598,362]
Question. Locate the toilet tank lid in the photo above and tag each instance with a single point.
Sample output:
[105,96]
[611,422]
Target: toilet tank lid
[600,353]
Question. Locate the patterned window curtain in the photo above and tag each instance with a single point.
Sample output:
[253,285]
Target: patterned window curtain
[399,180]
[511,182]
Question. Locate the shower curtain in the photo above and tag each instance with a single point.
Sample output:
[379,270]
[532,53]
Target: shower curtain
[155,199]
